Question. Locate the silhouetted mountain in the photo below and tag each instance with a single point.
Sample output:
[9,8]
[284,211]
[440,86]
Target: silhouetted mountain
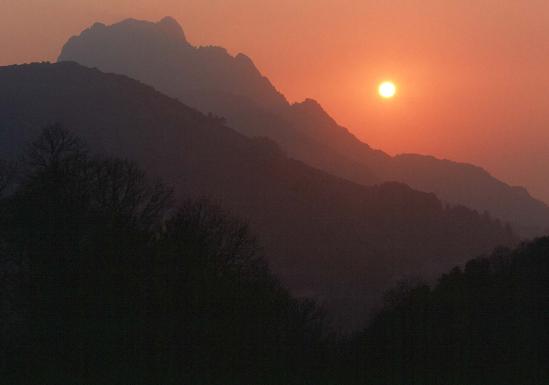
[211,80]
[326,237]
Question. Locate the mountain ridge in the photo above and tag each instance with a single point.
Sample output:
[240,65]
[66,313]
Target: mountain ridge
[253,106]
[324,236]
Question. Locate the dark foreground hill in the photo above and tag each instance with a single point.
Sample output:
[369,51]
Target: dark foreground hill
[211,80]
[325,237]
[103,280]
[486,323]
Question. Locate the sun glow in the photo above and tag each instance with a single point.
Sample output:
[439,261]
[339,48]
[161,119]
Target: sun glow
[387,90]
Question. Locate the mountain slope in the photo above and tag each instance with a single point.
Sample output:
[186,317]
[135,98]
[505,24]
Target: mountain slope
[206,78]
[211,80]
[326,237]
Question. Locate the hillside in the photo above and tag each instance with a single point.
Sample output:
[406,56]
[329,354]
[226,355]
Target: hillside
[211,80]
[326,237]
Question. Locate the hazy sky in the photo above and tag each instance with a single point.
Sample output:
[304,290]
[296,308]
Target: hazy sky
[473,75]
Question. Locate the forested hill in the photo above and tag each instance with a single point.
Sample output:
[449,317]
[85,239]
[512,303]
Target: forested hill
[325,237]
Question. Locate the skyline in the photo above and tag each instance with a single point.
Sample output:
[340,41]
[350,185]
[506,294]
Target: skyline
[472,88]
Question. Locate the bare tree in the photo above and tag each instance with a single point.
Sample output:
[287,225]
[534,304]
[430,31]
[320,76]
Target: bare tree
[54,147]
[121,187]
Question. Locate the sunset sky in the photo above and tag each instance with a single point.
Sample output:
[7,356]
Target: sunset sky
[472,75]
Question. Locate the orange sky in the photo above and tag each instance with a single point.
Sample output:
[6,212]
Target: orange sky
[473,75]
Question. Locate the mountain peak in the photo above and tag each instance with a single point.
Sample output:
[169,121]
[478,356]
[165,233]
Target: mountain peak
[98,25]
[171,27]
[312,108]
[311,103]
[245,60]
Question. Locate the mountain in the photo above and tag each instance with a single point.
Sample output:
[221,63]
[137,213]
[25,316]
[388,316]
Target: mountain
[210,80]
[213,81]
[325,237]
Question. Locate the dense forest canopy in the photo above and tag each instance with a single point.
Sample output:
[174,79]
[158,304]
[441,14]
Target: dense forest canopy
[486,323]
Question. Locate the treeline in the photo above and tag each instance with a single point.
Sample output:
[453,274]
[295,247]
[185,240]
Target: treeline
[487,323]
[105,280]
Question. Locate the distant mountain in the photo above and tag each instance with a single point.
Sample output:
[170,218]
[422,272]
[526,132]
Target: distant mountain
[326,237]
[211,80]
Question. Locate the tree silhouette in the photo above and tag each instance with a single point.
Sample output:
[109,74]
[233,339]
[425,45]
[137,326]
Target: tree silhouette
[103,279]
[486,323]
[114,285]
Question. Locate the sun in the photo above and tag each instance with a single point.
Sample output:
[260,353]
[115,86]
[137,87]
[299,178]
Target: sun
[387,90]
